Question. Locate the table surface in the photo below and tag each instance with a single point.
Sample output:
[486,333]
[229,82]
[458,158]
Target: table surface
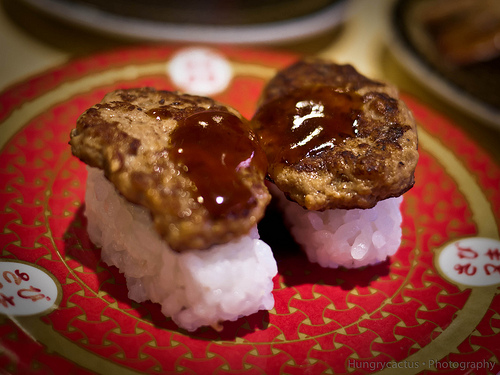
[32,42]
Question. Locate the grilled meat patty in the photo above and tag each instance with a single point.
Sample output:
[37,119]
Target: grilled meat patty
[334,138]
[194,163]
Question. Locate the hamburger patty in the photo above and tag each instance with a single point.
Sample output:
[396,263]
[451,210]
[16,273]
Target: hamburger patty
[334,138]
[194,163]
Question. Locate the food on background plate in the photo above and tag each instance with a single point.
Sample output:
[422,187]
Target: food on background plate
[452,46]
[175,190]
[461,32]
[342,149]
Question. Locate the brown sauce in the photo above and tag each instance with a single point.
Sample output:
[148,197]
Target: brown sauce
[214,147]
[160,113]
[307,123]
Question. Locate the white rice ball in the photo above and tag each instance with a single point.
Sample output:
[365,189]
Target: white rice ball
[348,238]
[196,287]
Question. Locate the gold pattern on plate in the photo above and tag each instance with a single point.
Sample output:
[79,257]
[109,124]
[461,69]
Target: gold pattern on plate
[460,328]
[477,304]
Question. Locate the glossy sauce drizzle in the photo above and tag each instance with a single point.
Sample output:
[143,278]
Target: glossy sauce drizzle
[160,113]
[307,122]
[214,147]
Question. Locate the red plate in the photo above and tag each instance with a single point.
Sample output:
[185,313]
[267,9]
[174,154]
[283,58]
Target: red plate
[435,305]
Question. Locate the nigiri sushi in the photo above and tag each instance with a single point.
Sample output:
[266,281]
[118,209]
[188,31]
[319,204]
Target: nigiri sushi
[342,149]
[175,190]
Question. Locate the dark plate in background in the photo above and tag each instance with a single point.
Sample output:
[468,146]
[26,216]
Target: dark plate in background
[219,21]
[423,47]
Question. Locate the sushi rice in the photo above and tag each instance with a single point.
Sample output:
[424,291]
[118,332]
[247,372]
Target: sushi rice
[196,287]
[344,238]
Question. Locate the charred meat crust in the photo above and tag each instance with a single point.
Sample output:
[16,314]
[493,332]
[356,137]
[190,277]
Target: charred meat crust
[122,137]
[378,163]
